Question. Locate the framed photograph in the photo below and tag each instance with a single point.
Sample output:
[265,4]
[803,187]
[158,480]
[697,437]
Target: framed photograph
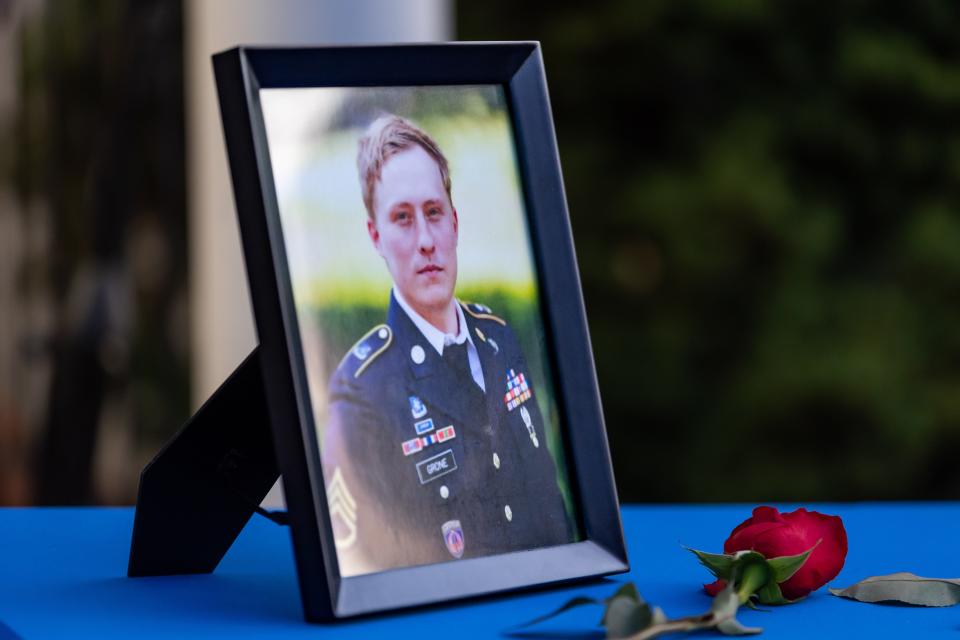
[423,343]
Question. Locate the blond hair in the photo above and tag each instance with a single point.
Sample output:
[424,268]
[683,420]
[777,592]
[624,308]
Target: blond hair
[385,137]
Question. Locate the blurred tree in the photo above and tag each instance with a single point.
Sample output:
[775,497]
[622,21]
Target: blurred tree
[764,198]
[99,138]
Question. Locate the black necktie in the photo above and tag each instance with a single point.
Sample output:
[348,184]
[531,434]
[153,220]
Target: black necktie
[455,356]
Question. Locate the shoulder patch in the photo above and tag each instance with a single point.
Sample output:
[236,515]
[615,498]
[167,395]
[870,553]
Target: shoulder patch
[482,312]
[369,347]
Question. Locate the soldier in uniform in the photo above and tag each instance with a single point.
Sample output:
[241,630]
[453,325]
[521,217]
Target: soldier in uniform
[435,448]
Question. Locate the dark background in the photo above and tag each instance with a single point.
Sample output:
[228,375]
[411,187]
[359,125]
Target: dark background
[764,197]
[764,202]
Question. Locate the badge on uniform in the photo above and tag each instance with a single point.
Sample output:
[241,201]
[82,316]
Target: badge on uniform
[453,537]
[528,422]
[436,466]
[518,390]
[415,445]
[361,351]
[343,511]
[423,426]
[417,408]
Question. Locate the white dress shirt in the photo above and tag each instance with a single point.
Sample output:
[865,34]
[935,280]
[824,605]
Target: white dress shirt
[438,339]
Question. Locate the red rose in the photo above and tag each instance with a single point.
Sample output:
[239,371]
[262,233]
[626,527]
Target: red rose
[776,534]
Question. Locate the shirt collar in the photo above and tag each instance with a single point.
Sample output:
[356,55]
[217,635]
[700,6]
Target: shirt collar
[434,336]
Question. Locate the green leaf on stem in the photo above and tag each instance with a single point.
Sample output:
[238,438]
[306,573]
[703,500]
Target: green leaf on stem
[770,594]
[904,588]
[627,613]
[719,564]
[570,604]
[626,616]
[722,565]
[784,567]
[628,590]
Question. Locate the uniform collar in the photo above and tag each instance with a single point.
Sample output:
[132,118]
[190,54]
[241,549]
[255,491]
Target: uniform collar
[437,339]
[429,380]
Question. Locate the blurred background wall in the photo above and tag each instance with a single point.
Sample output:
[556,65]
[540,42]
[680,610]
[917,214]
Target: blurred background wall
[764,197]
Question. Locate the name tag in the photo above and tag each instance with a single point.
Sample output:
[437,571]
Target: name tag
[436,466]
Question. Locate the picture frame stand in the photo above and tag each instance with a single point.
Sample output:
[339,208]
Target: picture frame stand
[200,490]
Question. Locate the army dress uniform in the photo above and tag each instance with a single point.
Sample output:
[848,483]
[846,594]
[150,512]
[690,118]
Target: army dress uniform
[422,465]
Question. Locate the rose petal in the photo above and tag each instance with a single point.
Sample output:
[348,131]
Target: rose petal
[766,514]
[714,588]
[746,537]
[827,559]
[786,540]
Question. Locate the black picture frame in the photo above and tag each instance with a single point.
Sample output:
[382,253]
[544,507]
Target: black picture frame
[518,67]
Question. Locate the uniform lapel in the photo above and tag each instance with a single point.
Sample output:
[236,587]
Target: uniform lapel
[492,362]
[429,380]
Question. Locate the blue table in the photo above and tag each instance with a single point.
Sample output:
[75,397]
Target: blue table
[62,575]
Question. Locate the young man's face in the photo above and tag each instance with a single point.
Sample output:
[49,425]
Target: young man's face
[415,229]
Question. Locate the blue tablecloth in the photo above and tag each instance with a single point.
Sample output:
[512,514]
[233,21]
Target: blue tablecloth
[62,575]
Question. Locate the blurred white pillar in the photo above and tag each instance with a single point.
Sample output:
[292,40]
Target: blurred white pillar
[221,321]
[222,325]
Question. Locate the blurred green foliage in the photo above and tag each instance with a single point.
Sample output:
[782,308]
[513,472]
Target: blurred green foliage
[764,198]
